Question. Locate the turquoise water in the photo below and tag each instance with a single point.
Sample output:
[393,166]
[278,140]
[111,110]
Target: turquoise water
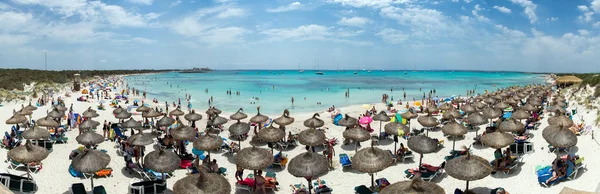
[328,89]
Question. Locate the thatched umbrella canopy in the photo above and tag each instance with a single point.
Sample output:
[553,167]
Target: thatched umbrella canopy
[491,113]
[162,161]
[371,160]
[512,101]
[422,145]
[445,106]
[468,168]
[89,138]
[202,183]
[556,103]
[560,120]
[89,113]
[511,126]
[208,142]
[90,161]
[89,124]
[534,101]
[216,120]
[489,101]
[557,109]
[30,107]
[520,114]
[451,114]
[259,118]
[476,119]
[454,129]
[132,124]
[184,133]
[28,153]
[150,114]
[284,119]
[239,115]
[16,119]
[213,111]
[356,134]
[559,136]
[311,137]
[60,108]
[409,115]
[239,128]
[348,121]
[459,100]
[497,139]
[25,111]
[522,95]
[568,79]
[467,108]
[394,128]
[56,114]
[428,121]
[36,133]
[528,107]
[254,158]
[314,121]
[497,97]
[47,122]
[192,116]
[479,105]
[142,108]
[141,139]
[381,116]
[118,110]
[501,105]
[165,121]
[432,109]
[123,115]
[271,134]
[177,112]
[414,186]
[308,164]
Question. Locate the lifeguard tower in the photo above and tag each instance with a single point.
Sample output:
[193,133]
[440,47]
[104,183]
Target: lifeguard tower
[76,83]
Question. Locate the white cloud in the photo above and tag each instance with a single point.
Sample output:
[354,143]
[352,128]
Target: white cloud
[423,22]
[455,1]
[190,26]
[175,3]
[552,19]
[475,13]
[141,2]
[502,9]
[369,3]
[14,21]
[291,7]
[586,17]
[231,12]
[529,9]
[143,40]
[354,21]
[510,32]
[307,33]
[102,61]
[468,1]
[392,36]
[582,8]
[595,5]
[583,32]
[348,33]
[10,40]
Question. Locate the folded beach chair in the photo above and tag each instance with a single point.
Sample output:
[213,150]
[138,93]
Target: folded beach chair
[345,160]
[362,189]
[77,188]
[18,183]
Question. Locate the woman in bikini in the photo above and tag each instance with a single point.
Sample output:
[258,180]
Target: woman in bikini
[260,182]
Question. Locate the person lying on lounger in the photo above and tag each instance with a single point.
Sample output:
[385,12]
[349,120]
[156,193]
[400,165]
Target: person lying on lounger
[298,190]
[559,168]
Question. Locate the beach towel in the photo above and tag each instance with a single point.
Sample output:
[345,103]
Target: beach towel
[337,118]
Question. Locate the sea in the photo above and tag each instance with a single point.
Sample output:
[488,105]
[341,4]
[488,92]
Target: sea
[273,90]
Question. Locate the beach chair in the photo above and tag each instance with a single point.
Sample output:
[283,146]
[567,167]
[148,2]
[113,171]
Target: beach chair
[106,172]
[77,188]
[362,189]
[520,148]
[282,163]
[18,183]
[143,174]
[45,144]
[58,138]
[545,173]
[16,165]
[322,189]
[99,190]
[153,175]
[428,172]
[578,166]
[246,184]
[381,183]
[119,133]
[456,154]
[552,149]
[75,173]
[516,160]
[299,186]
[345,160]
[147,187]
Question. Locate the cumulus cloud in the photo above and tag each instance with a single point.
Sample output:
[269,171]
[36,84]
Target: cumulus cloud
[476,14]
[529,9]
[392,36]
[291,7]
[309,33]
[142,2]
[354,21]
[502,9]
[369,3]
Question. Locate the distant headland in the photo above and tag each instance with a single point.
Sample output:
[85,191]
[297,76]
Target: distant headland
[197,70]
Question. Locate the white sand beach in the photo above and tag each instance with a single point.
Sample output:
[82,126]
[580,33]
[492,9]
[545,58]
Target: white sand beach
[54,177]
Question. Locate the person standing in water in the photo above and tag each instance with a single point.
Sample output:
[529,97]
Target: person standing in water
[292,101]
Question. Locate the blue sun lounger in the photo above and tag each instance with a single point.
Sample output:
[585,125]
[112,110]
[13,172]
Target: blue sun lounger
[345,160]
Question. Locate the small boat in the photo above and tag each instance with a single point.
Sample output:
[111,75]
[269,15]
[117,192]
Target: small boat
[369,71]
[355,73]
[319,73]
[301,71]
[405,72]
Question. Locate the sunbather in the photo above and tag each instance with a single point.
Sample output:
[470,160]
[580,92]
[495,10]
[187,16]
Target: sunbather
[499,190]
[213,166]
[559,170]
[498,157]
[260,181]
[278,157]
[298,190]
[401,151]
[239,173]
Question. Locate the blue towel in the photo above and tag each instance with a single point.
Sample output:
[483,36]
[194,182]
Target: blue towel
[74,173]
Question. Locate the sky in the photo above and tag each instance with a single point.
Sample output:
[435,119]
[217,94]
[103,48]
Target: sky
[509,35]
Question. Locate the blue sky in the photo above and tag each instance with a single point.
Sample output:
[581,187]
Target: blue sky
[539,36]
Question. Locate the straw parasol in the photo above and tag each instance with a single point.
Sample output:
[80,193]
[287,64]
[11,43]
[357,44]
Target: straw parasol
[60,108]
[208,142]
[56,114]
[150,114]
[348,121]
[414,186]
[89,138]
[311,137]
[491,113]
[511,125]
[394,128]
[47,122]
[254,158]
[213,111]
[356,134]
[501,105]
[408,115]
[239,115]
[25,111]
[497,139]
[557,109]
[89,113]
[451,114]
[142,108]
[118,110]
[432,109]
[202,183]
[422,145]
[165,121]
[271,134]
[162,161]
[259,118]
[314,121]
[309,165]
[177,112]
[468,168]
[381,117]
[489,101]
[36,133]
[559,136]
[371,160]
[520,114]
[557,103]
[568,79]
[534,101]
[445,106]
[90,161]
[30,107]
[479,105]
[239,129]
[192,116]
[428,121]
[184,133]
[123,115]
[528,107]
[216,120]
[16,119]
[454,129]
[132,124]
[560,120]
[567,190]
[89,124]
[28,153]
[284,119]
[467,108]
[141,139]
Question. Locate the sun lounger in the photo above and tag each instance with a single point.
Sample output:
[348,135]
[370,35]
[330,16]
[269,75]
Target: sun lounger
[147,187]
[428,172]
[323,189]
[381,183]
[48,144]
[59,139]
[99,190]
[345,160]
[545,173]
[18,183]
[282,163]
[77,188]
[16,165]
[516,160]
[362,189]
[578,166]
[456,153]
[74,173]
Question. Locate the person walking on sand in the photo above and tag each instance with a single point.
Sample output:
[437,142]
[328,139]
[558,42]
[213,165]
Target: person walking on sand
[292,101]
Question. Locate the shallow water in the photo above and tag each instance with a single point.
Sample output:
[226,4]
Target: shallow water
[276,88]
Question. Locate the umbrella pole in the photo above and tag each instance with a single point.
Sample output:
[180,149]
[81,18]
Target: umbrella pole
[92,180]
[355,147]
[28,175]
[453,142]
[467,189]
[372,180]
[309,185]
[378,135]
[395,143]
[420,160]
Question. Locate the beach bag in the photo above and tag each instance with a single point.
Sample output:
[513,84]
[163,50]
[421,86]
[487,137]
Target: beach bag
[111,134]
[104,172]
